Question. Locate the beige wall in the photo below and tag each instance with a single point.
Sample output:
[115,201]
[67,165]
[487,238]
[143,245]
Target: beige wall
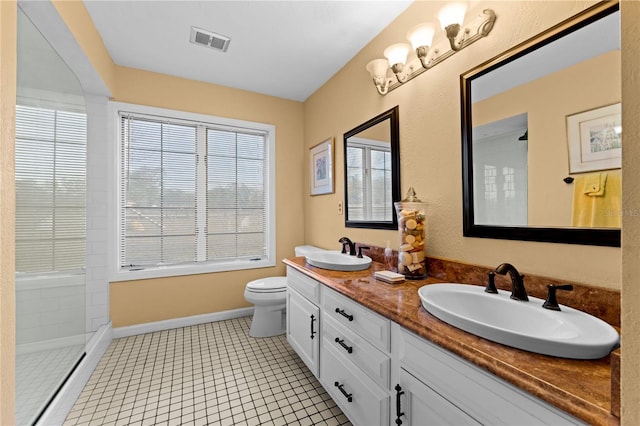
[630,374]
[380,132]
[548,100]
[136,302]
[8,19]
[430,147]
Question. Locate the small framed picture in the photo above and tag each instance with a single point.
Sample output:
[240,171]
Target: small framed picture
[595,139]
[321,167]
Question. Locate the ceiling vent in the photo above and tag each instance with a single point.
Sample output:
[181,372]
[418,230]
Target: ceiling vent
[209,39]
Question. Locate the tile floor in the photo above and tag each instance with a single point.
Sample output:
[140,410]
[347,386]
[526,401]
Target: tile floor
[208,374]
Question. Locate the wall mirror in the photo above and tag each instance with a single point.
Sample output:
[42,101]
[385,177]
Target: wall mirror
[541,136]
[372,172]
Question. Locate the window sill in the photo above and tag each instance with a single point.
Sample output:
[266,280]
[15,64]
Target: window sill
[190,269]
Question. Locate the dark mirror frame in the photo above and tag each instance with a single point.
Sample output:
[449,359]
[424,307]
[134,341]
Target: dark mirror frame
[586,236]
[393,116]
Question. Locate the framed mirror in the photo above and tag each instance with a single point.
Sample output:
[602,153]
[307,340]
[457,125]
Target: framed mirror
[372,172]
[527,115]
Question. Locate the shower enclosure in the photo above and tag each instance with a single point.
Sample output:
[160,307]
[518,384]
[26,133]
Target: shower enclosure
[50,229]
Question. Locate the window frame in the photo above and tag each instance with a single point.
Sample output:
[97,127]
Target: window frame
[115,199]
[368,145]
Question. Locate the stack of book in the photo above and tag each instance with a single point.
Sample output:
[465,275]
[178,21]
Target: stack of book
[389,277]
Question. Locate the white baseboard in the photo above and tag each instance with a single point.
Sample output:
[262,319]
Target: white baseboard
[59,408]
[150,327]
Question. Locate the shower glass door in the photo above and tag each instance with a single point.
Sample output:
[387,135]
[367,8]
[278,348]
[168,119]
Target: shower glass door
[50,223]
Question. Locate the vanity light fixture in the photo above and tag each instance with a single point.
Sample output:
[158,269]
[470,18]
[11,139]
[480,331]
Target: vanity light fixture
[421,37]
[450,18]
[378,71]
[397,54]
[405,67]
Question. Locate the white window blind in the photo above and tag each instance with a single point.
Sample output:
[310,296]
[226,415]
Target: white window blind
[236,202]
[369,167]
[158,197]
[190,193]
[50,190]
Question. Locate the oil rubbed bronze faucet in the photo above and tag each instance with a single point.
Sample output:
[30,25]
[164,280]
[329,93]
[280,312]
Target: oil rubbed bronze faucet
[518,291]
[552,301]
[346,241]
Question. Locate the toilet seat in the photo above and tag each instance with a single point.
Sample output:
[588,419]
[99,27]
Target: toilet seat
[268,285]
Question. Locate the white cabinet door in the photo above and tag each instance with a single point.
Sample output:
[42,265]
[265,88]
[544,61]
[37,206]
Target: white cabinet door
[421,405]
[303,326]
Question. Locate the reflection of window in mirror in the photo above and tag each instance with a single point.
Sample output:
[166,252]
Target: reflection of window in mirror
[372,172]
[500,171]
[369,180]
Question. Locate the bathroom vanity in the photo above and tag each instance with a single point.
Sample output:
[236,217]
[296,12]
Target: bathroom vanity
[385,360]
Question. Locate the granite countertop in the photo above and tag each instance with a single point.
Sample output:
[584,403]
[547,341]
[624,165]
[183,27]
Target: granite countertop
[582,388]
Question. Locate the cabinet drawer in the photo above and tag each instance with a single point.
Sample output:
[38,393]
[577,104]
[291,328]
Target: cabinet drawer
[483,396]
[362,401]
[362,354]
[306,286]
[357,318]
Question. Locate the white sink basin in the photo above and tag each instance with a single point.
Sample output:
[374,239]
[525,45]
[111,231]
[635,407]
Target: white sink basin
[568,333]
[337,261]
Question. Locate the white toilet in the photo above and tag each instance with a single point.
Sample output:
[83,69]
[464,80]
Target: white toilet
[269,295]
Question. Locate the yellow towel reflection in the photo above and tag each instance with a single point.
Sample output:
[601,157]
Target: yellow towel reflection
[597,200]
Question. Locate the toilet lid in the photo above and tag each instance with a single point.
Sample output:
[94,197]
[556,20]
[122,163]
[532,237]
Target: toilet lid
[268,285]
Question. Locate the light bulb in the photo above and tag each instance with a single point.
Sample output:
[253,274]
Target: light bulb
[452,13]
[421,35]
[397,53]
[378,68]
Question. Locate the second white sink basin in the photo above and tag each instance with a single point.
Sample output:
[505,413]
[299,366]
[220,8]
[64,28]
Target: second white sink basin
[568,333]
[337,261]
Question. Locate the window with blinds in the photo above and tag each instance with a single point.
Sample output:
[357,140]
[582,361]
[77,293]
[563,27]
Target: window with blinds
[50,190]
[236,208]
[191,193]
[368,167]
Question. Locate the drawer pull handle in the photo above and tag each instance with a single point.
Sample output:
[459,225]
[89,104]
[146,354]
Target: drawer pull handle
[344,392]
[399,412]
[344,314]
[344,345]
[313,332]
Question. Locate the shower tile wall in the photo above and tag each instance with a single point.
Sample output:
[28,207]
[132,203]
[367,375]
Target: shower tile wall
[48,309]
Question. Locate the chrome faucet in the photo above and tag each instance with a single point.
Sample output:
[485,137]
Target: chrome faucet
[352,247]
[518,291]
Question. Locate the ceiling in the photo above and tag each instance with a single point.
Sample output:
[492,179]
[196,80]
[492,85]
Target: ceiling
[286,49]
